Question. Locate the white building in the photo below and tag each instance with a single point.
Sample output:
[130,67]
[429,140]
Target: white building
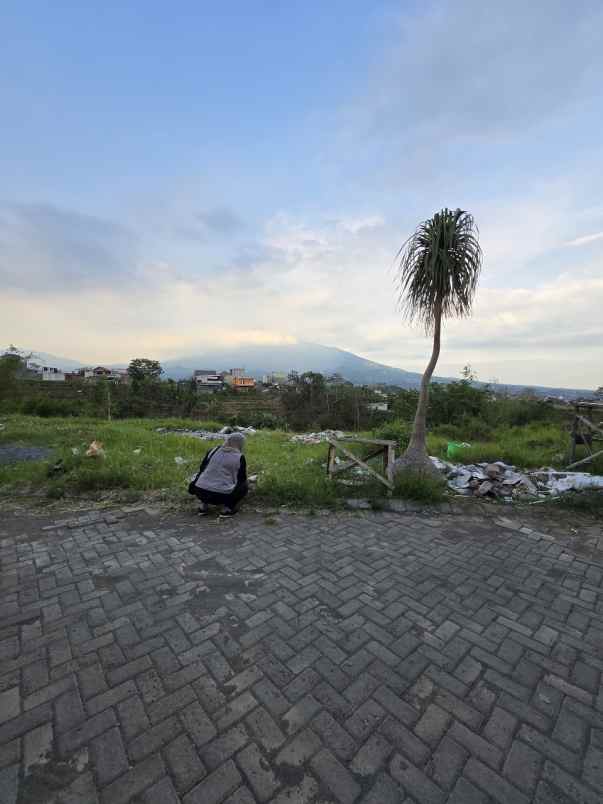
[46,373]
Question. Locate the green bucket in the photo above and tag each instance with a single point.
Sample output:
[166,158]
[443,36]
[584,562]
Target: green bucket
[455,449]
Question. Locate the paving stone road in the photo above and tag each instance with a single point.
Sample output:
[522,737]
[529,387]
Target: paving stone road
[366,658]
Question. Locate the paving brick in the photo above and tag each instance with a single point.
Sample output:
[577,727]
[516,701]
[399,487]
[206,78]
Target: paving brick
[170,703]
[300,714]
[162,792]
[466,793]
[48,693]
[109,756]
[132,717]
[90,728]
[198,725]
[523,766]
[336,738]
[37,746]
[299,750]
[9,784]
[372,756]
[264,729]
[550,748]
[569,785]
[415,781]
[432,725]
[68,711]
[447,761]
[489,781]
[365,719]
[184,763]
[110,698]
[335,777]
[216,786]
[593,768]
[223,747]
[154,738]
[500,728]
[257,772]
[404,740]
[132,783]
[476,745]
[384,791]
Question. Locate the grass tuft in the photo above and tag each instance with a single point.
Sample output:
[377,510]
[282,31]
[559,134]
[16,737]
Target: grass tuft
[420,487]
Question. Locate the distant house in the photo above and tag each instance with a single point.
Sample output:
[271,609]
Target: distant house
[45,373]
[382,407]
[208,380]
[236,380]
[337,379]
[103,373]
[275,378]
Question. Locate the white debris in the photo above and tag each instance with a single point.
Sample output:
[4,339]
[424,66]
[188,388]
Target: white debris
[575,481]
[180,460]
[208,435]
[137,451]
[316,438]
[498,479]
[75,450]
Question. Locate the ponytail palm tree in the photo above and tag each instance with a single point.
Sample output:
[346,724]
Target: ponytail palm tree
[438,270]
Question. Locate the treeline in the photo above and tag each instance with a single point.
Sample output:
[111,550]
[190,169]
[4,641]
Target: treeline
[309,403]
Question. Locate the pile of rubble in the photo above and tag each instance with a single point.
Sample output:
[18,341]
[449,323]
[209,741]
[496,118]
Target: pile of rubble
[208,435]
[316,438]
[502,481]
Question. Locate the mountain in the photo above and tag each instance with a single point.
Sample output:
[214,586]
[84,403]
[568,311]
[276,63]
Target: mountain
[301,356]
[260,360]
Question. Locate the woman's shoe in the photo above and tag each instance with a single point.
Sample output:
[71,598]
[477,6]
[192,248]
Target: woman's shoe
[228,512]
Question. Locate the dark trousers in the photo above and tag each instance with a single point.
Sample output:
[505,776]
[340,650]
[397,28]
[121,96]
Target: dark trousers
[217,498]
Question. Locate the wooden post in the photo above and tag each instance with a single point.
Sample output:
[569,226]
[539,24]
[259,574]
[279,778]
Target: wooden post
[574,438]
[391,458]
[331,460]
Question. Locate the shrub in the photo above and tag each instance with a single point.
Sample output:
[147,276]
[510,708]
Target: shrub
[99,477]
[419,486]
[398,431]
[51,407]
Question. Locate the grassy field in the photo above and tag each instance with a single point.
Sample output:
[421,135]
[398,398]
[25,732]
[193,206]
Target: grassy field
[138,459]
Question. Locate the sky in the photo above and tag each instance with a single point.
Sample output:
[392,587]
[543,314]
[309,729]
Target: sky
[180,176]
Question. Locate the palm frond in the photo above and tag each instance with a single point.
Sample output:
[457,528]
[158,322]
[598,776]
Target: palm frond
[439,267]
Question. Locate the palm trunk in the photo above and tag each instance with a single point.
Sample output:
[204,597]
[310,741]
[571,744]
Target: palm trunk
[416,452]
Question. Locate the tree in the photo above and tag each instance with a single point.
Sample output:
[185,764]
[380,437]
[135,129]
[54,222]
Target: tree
[438,270]
[141,369]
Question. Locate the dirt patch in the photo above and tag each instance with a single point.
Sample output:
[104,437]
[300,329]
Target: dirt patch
[14,454]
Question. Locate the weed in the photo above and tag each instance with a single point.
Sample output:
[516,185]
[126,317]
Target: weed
[586,502]
[419,486]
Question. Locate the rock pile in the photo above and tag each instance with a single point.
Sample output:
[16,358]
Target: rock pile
[499,480]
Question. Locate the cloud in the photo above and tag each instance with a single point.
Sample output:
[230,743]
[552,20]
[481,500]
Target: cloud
[44,248]
[484,70]
[582,241]
[210,223]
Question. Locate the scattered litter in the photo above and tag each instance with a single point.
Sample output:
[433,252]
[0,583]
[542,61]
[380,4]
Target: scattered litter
[180,460]
[95,450]
[137,451]
[75,450]
[207,435]
[316,438]
[500,480]
[252,478]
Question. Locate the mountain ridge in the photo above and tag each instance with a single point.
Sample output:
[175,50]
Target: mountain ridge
[303,356]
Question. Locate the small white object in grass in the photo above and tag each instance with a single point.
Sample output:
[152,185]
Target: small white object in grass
[179,460]
[253,478]
[137,451]
[75,451]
